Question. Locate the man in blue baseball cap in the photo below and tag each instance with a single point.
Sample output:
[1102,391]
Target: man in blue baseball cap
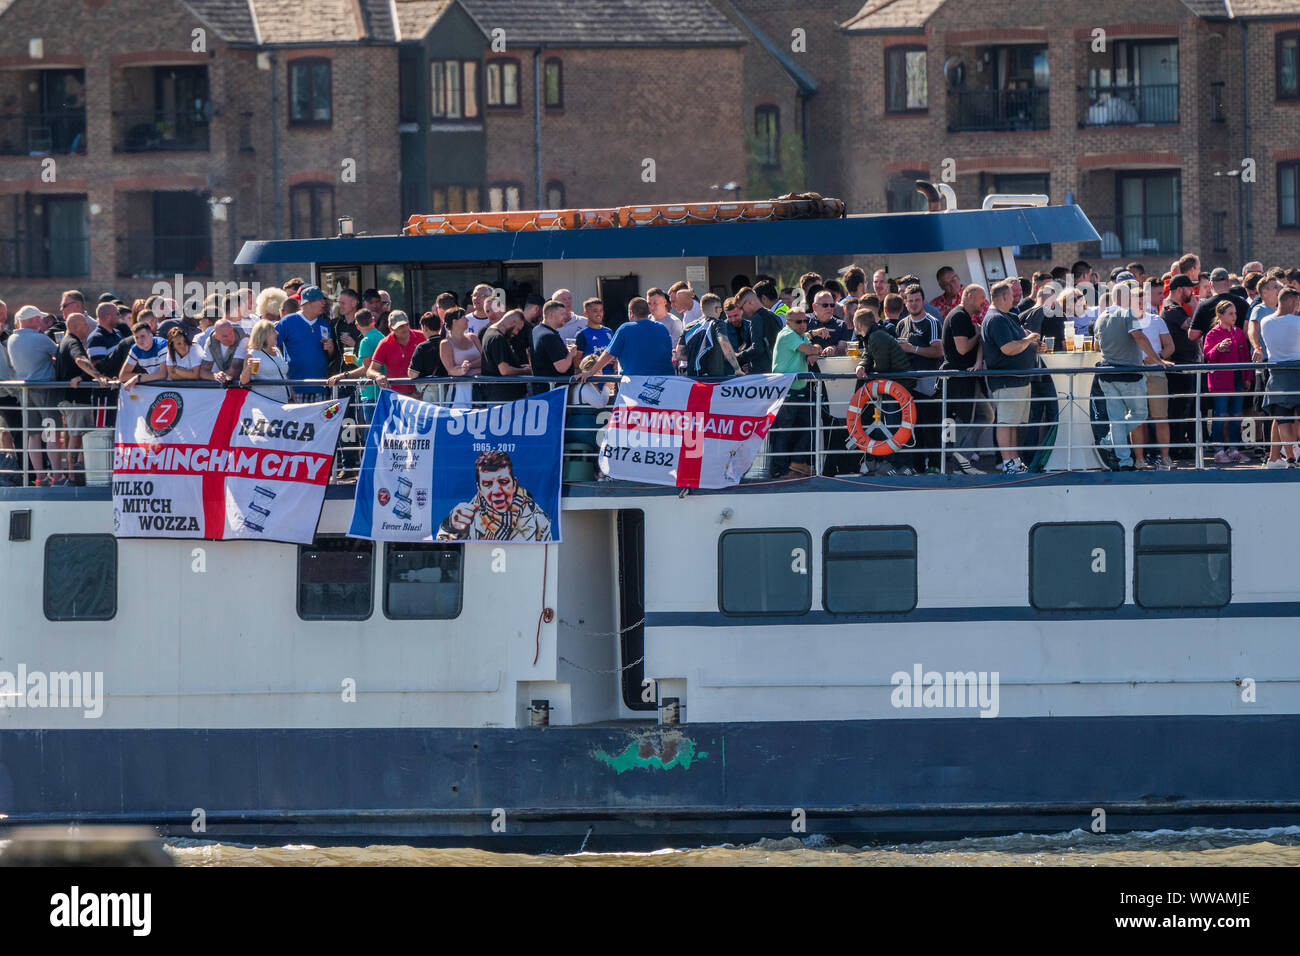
[308,342]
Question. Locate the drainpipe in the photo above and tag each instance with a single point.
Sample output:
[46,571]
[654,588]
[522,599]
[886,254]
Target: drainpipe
[537,124]
[277,199]
[1244,227]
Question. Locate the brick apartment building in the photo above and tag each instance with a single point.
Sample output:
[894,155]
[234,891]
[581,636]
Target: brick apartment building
[140,139]
[186,127]
[1145,124]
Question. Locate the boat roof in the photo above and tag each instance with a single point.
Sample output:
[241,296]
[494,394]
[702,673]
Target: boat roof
[884,234]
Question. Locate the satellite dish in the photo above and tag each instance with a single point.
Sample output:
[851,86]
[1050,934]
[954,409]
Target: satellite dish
[955,71]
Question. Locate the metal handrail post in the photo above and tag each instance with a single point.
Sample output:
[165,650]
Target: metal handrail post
[943,425]
[1200,450]
[1069,432]
[819,455]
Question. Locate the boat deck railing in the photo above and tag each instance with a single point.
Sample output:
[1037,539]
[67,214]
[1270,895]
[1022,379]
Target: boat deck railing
[956,431]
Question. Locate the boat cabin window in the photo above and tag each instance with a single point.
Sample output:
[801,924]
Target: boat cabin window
[80,577]
[1076,566]
[765,572]
[336,579]
[423,582]
[869,570]
[1181,564]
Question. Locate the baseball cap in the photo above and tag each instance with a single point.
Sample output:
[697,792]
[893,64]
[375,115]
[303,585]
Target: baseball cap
[28,312]
[310,293]
[1181,282]
[1125,276]
[1219,275]
[397,318]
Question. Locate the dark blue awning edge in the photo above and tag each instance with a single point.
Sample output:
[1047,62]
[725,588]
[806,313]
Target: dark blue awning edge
[898,233]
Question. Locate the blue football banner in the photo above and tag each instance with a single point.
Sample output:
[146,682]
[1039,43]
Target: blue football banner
[432,473]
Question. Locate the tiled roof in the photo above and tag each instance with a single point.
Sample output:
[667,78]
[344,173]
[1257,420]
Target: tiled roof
[230,18]
[297,21]
[414,17]
[607,22]
[1265,8]
[892,15]
[806,82]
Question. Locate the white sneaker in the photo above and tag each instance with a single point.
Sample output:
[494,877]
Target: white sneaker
[1014,467]
[1276,463]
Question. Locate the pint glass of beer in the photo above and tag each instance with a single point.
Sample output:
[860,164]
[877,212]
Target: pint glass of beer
[254,366]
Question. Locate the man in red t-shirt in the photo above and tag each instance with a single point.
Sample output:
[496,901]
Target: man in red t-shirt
[392,358]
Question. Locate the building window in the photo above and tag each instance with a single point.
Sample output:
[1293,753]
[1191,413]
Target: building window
[1288,66]
[1288,195]
[553,84]
[767,130]
[310,97]
[335,579]
[80,577]
[1134,81]
[504,197]
[1150,220]
[764,572]
[312,210]
[423,582]
[451,199]
[454,91]
[1219,231]
[905,80]
[1182,564]
[503,83]
[1076,566]
[555,194]
[869,570]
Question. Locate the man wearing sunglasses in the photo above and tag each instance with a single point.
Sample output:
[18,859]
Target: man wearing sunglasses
[826,330]
[794,352]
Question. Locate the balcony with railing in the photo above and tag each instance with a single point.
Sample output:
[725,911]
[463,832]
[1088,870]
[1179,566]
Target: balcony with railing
[153,131]
[995,110]
[152,256]
[43,133]
[55,257]
[1127,236]
[1151,104]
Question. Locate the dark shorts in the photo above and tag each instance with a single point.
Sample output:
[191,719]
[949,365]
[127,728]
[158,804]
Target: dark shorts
[11,417]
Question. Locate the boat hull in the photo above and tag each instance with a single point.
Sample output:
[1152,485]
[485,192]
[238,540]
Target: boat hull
[620,787]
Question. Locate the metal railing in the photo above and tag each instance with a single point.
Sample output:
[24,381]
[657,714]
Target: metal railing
[974,111]
[1133,235]
[161,256]
[1153,104]
[1063,419]
[152,131]
[43,133]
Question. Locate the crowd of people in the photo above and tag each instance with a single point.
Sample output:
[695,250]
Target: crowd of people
[1145,326]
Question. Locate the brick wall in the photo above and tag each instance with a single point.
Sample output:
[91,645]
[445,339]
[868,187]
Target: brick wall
[683,111]
[129,34]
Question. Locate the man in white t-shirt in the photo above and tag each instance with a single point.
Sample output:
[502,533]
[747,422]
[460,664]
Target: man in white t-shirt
[658,300]
[1280,335]
[224,355]
[573,324]
[686,307]
[482,316]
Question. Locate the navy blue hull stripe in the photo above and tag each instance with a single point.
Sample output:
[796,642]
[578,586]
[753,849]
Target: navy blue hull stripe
[953,615]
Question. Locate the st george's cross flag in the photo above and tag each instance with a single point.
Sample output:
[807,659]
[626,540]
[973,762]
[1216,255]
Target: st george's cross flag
[221,464]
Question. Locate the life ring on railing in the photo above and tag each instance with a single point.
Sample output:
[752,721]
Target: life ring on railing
[871,394]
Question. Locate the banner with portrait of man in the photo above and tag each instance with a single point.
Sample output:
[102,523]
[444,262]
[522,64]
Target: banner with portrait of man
[432,473]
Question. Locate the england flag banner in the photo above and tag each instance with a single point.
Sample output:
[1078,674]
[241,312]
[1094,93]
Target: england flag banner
[675,431]
[432,473]
[221,464]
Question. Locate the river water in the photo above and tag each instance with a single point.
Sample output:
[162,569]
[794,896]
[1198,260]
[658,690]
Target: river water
[1197,847]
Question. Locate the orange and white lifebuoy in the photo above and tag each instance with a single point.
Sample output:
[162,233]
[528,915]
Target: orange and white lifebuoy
[871,394]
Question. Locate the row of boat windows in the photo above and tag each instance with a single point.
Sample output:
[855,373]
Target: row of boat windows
[336,579]
[1073,566]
